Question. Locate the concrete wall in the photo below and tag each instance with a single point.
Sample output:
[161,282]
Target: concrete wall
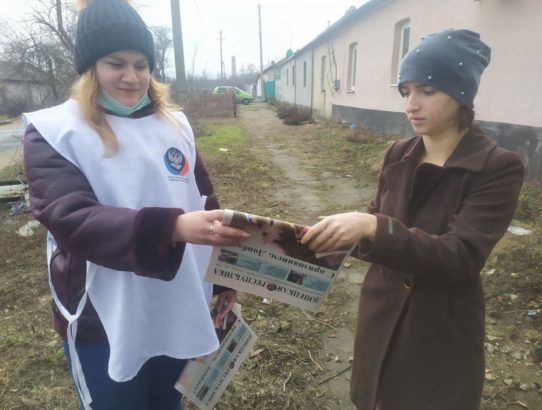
[303,85]
[322,93]
[284,88]
[523,139]
[394,123]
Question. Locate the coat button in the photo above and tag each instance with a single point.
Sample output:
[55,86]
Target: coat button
[408,282]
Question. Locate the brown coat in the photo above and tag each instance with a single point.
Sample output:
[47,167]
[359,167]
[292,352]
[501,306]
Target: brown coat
[420,335]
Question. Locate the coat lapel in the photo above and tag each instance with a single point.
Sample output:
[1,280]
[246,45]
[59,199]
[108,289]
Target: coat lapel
[399,176]
[470,154]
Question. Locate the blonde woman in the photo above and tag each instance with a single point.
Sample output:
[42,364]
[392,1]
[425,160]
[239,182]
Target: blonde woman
[115,177]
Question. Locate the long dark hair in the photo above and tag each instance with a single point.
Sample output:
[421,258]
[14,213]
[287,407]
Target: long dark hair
[465,118]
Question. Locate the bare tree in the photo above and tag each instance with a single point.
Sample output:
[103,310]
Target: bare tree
[163,43]
[41,48]
[248,69]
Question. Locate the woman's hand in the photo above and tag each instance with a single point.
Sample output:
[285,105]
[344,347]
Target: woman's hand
[205,228]
[224,305]
[335,231]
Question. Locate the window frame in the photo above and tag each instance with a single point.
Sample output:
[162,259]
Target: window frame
[323,62]
[402,35]
[352,66]
[401,52]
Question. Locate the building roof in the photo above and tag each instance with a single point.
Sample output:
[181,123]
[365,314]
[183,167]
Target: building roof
[351,16]
[20,73]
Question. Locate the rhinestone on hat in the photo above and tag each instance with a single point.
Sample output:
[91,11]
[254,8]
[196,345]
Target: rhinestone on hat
[418,50]
[462,92]
[449,37]
[460,64]
[429,77]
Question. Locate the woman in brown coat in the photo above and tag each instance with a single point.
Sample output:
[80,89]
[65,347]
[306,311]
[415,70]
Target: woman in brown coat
[445,197]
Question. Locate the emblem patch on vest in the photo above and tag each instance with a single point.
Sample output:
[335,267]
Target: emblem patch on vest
[176,162]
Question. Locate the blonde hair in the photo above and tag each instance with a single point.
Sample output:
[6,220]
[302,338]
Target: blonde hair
[86,92]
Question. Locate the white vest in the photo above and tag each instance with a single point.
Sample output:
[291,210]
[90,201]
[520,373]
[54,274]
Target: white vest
[142,317]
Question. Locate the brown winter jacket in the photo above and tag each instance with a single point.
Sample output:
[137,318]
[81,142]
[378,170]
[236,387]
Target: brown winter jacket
[420,334]
[63,201]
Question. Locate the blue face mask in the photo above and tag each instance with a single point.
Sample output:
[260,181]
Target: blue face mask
[109,104]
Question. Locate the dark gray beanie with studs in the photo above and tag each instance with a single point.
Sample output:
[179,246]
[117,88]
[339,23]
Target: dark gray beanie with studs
[452,61]
[106,26]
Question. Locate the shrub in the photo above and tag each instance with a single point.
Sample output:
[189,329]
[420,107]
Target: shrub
[294,115]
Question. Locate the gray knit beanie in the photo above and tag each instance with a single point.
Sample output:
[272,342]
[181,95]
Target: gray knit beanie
[106,26]
[452,61]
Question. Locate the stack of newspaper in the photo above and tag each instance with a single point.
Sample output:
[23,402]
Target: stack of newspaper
[204,379]
[272,263]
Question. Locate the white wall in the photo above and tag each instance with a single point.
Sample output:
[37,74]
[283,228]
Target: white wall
[303,89]
[321,95]
[284,89]
[510,90]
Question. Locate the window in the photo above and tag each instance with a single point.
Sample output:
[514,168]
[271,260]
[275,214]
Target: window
[323,73]
[401,46]
[293,75]
[352,62]
[287,76]
[304,73]
[404,33]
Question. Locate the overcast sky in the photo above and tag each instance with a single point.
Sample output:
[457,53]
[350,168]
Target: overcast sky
[285,24]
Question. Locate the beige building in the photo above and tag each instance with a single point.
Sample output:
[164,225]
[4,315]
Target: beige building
[382,33]
[355,63]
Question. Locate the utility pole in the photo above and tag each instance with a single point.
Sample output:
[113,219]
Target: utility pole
[233,67]
[222,71]
[181,90]
[261,53]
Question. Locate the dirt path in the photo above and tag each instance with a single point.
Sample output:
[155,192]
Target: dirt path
[311,187]
[308,195]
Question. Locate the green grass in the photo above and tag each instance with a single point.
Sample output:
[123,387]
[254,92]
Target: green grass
[238,173]
[229,137]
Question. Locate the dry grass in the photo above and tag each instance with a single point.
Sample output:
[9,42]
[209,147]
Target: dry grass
[286,374]
[33,373]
